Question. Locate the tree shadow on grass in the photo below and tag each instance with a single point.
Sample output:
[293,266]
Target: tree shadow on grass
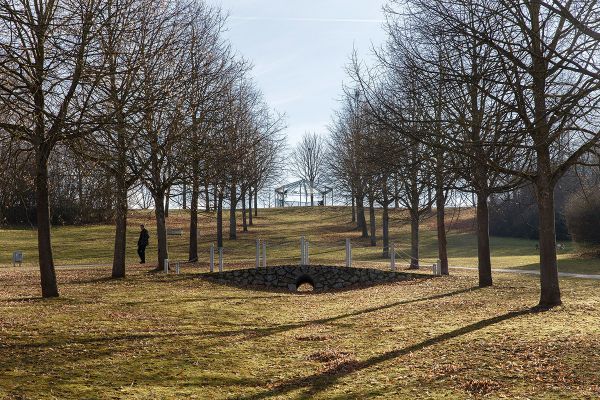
[319,382]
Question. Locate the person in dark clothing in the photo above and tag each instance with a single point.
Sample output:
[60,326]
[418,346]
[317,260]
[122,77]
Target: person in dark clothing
[142,243]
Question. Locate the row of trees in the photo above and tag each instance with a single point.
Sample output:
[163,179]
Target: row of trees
[138,94]
[472,96]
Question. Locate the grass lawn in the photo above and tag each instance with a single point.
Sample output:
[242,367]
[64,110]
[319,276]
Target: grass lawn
[179,336]
[325,227]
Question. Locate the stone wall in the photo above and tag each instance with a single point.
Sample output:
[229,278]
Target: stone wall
[322,278]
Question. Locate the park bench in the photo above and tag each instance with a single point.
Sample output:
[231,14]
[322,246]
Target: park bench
[175,232]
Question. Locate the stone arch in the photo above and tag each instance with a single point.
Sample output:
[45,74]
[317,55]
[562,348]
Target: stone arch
[302,279]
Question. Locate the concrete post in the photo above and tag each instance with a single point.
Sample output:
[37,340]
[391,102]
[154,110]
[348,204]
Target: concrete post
[302,248]
[347,253]
[177,268]
[166,266]
[264,260]
[306,254]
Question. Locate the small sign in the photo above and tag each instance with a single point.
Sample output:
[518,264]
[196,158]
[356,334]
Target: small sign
[17,258]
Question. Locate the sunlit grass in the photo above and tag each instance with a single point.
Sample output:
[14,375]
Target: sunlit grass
[325,227]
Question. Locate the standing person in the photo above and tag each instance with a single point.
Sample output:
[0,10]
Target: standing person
[142,243]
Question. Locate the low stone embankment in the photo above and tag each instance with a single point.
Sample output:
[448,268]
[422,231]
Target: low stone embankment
[322,278]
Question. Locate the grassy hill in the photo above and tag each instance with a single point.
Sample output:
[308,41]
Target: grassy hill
[180,336]
[325,227]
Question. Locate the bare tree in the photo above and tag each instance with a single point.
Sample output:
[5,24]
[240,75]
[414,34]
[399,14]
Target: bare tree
[308,160]
[45,84]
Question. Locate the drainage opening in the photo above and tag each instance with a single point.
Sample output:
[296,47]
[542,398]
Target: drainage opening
[305,284]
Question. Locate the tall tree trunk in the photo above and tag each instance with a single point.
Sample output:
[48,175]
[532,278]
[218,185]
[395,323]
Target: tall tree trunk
[256,202]
[353,208]
[47,272]
[215,197]
[483,241]
[219,209]
[440,204]
[250,221]
[206,197]
[550,290]
[118,268]
[414,238]
[232,216]
[167,201]
[193,250]
[184,196]
[372,223]
[161,228]
[244,216]
[385,221]
[360,217]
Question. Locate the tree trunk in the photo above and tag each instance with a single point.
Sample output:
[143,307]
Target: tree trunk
[483,241]
[250,221]
[360,217]
[385,221]
[219,219]
[256,202]
[167,201]
[414,239]
[215,198]
[244,216]
[353,209]
[161,228]
[440,204]
[206,197]
[232,216]
[184,197]
[118,269]
[550,290]
[193,250]
[372,223]
[47,272]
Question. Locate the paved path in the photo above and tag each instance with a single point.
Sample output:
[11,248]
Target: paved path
[533,272]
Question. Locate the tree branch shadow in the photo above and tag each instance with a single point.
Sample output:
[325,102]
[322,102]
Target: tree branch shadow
[318,382]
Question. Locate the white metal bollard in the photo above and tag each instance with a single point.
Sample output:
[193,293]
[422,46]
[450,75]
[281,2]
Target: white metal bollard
[166,266]
[220,259]
[212,257]
[264,260]
[257,253]
[392,256]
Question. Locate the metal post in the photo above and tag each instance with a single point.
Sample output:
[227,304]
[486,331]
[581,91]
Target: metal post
[166,266]
[302,250]
[220,259]
[212,257]
[177,268]
[392,256]
[264,260]
[257,253]
[439,267]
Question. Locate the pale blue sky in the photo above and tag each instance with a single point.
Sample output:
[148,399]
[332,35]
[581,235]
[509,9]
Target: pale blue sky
[300,49]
